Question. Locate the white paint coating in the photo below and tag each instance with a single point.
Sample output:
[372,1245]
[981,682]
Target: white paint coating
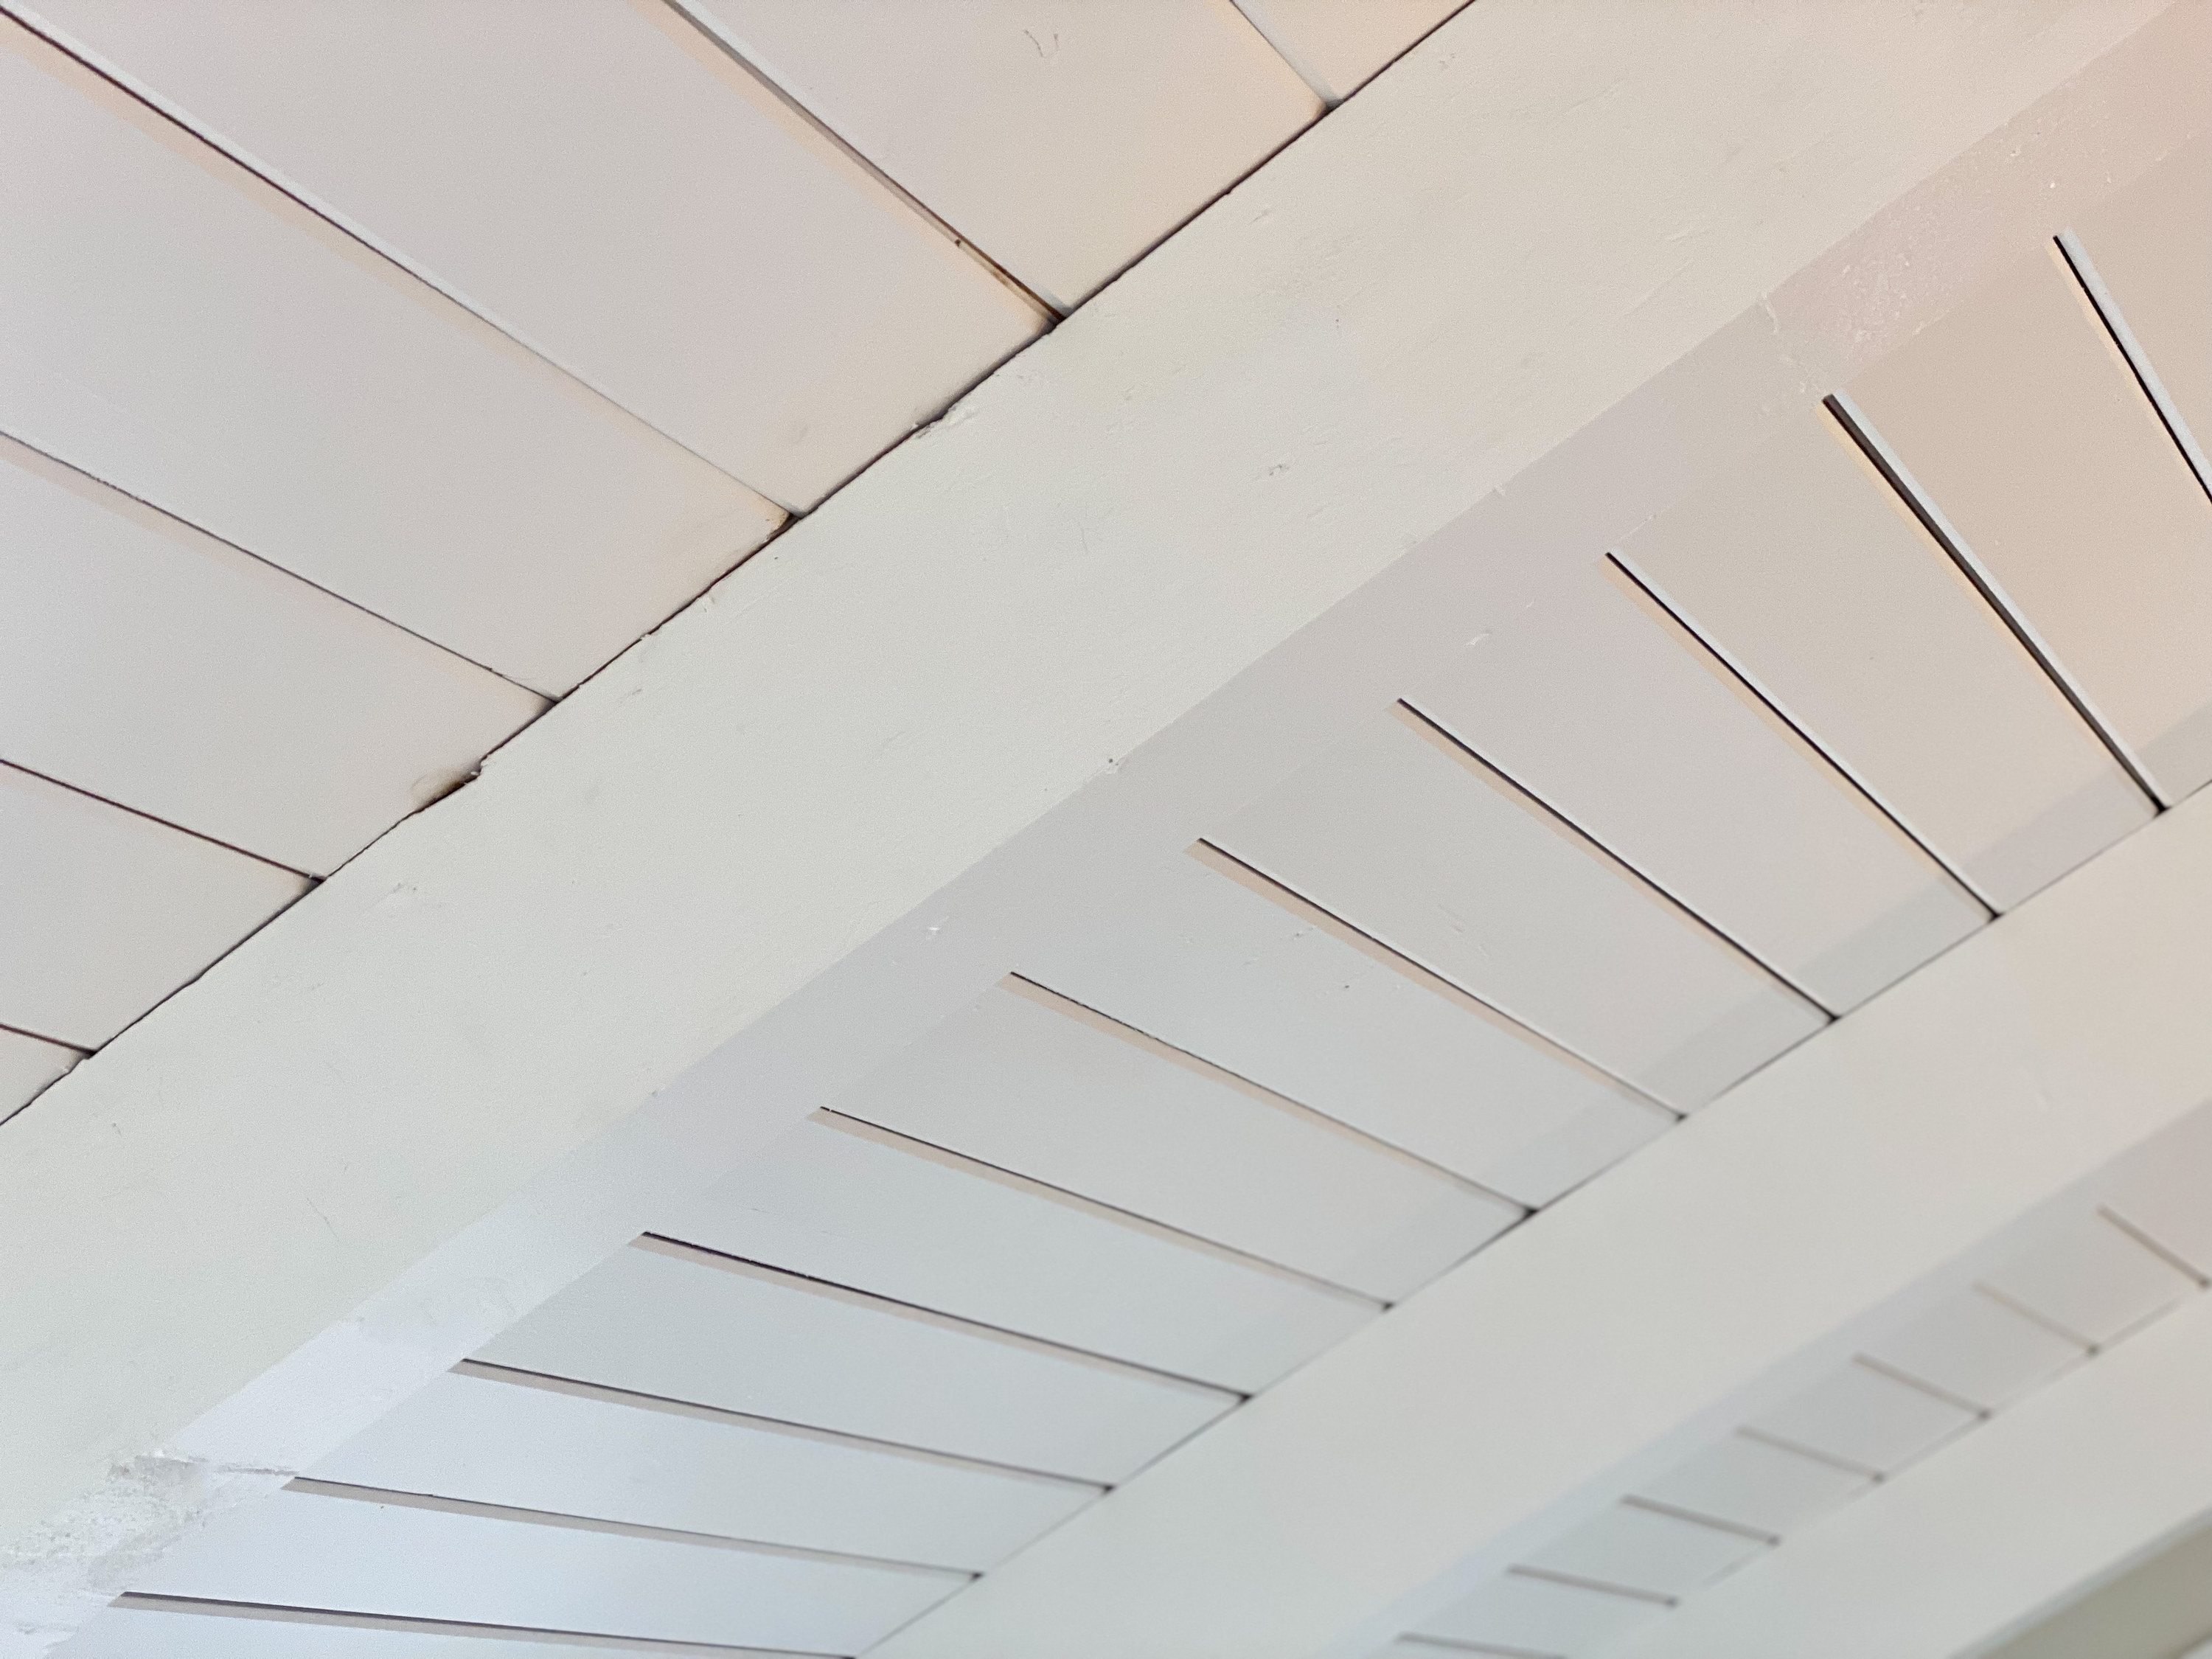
[1204,960]
[2092,1281]
[1865,1417]
[1978,1349]
[1441,860]
[131,1633]
[156,667]
[377,440]
[1025,1084]
[2075,1483]
[2020,422]
[28,1064]
[1809,577]
[303,1549]
[1060,138]
[1355,1498]
[2151,243]
[1752,1483]
[1338,46]
[474,1078]
[614,191]
[1601,706]
[756,1342]
[1641,1549]
[2164,1202]
[837,1201]
[1523,1614]
[108,912]
[496,1440]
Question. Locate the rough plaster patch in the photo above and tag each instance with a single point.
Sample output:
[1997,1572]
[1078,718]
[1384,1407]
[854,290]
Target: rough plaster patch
[58,1574]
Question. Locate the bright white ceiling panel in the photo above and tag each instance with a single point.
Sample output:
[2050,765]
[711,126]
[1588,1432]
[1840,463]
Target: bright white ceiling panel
[156,667]
[543,1447]
[27,1064]
[2092,1281]
[1643,1549]
[1337,45]
[303,1549]
[1867,1418]
[1436,859]
[1204,958]
[1805,571]
[1605,709]
[1975,1348]
[1521,1613]
[2017,420]
[109,912]
[1032,1084]
[616,192]
[773,1346]
[1061,137]
[2151,246]
[1754,1484]
[129,1632]
[838,1200]
[187,333]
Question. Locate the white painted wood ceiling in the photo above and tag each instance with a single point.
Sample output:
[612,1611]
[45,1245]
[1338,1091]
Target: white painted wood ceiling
[375,375]
[334,445]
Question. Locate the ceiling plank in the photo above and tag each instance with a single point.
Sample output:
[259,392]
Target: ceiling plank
[157,667]
[435,1558]
[2073,1484]
[1809,575]
[1063,139]
[613,191]
[1483,1416]
[108,912]
[1058,637]
[183,330]
[2020,425]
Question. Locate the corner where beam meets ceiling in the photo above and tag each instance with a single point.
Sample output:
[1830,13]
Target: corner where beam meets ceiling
[1365,1490]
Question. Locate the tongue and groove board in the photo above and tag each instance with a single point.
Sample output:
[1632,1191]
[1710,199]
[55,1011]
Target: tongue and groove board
[1430,853]
[152,664]
[1519,1613]
[1207,956]
[27,1065]
[2150,244]
[376,439]
[108,912]
[768,1345]
[1597,702]
[2019,421]
[616,192]
[1339,47]
[1014,120]
[300,1549]
[135,1632]
[1028,1081]
[1806,573]
[533,1444]
[839,1201]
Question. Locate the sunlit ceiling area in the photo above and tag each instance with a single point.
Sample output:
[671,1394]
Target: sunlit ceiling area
[1048,830]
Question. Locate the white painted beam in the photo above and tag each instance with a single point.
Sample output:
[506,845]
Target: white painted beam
[2073,1484]
[1692,1287]
[1166,555]
[2159,1608]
